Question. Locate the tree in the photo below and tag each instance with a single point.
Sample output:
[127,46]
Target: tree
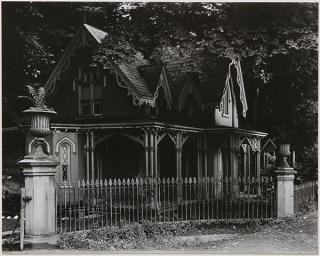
[276,42]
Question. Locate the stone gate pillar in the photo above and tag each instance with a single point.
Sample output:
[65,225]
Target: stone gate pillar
[40,201]
[285,185]
[39,171]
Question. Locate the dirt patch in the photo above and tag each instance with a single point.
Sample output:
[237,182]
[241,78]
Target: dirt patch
[298,236]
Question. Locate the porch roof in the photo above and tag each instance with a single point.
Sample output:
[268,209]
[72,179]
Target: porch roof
[235,130]
[160,125]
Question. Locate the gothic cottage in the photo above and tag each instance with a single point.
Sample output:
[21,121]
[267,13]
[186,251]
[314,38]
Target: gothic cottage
[146,120]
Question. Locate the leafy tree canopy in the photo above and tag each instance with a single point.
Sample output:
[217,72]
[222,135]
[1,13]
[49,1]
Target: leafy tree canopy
[276,43]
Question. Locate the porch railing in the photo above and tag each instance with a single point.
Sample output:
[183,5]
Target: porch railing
[107,202]
[304,193]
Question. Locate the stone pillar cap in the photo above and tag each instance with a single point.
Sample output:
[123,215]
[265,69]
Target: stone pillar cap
[39,167]
[285,171]
[34,162]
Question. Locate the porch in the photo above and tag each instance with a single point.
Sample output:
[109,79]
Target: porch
[161,150]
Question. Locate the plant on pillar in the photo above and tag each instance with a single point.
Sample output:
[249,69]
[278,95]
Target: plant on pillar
[40,118]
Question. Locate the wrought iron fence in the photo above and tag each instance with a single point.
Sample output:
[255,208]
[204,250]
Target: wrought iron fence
[304,193]
[102,203]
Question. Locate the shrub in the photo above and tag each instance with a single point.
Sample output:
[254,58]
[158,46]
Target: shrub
[148,234]
[75,240]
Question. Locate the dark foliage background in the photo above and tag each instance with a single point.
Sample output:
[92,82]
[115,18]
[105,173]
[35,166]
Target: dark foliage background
[276,42]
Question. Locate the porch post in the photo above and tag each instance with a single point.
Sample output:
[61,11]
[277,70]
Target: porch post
[245,161]
[151,141]
[285,187]
[199,166]
[178,154]
[179,158]
[249,161]
[258,164]
[86,149]
[146,151]
[156,175]
[92,154]
[234,154]
[205,163]
[186,160]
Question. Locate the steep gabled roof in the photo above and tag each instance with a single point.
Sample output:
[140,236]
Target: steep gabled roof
[151,74]
[136,79]
[98,34]
[210,86]
[86,35]
[143,79]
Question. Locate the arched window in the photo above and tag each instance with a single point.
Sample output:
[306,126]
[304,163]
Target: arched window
[65,159]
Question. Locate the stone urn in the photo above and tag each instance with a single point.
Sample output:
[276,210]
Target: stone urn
[40,121]
[284,151]
[40,128]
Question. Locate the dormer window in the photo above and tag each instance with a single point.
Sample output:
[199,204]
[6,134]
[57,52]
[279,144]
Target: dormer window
[90,93]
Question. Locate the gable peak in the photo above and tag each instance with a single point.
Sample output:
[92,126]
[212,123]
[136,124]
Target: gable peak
[98,34]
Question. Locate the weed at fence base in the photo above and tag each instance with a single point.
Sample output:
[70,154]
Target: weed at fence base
[149,235]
